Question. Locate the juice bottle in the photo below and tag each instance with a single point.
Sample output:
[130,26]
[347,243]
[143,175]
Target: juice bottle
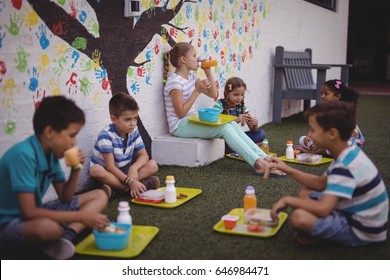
[208,63]
[250,200]
[265,146]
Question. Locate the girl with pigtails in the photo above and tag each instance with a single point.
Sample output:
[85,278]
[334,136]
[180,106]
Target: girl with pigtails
[182,88]
[333,90]
[233,104]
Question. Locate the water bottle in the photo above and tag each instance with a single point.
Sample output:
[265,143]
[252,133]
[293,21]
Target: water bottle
[265,146]
[250,200]
[289,150]
[170,190]
[124,216]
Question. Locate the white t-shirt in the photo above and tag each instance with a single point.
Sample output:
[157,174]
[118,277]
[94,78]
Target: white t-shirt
[174,81]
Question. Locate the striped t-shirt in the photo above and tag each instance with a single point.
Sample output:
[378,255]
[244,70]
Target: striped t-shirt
[363,197]
[110,141]
[174,81]
[233,111]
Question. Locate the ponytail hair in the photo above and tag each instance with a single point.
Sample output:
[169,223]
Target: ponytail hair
[346,93]
[173,56]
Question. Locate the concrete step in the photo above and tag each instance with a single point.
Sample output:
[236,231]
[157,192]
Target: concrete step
[170,150]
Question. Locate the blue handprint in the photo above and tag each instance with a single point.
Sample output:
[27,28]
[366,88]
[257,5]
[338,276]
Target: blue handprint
[188,11]
[239,63]
[82,16]
[101,74]
[75,56]
[217,46]
[148,79]
[135,87]
[43,41]
[205,48]
[33,79]
[221,24]
[221,79]
[211,2]
[231,1]
[2,35]
[149,54]
[206,34]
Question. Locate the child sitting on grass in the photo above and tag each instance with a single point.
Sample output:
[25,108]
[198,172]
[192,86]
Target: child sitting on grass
[348,204]
[233,103]
[333,90]
[117,143]
[28,169]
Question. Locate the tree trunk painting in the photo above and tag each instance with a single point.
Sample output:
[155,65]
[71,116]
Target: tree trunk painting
[118,43]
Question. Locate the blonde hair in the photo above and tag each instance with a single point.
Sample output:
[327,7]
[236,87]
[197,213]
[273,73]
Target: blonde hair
[173,56]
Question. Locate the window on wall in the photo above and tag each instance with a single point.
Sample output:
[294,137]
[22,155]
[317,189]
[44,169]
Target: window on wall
[327,4]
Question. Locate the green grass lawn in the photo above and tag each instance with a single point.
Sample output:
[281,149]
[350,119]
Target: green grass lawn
[186,232]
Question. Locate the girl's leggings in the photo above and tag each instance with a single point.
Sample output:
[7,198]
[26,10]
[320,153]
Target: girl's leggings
[230,132]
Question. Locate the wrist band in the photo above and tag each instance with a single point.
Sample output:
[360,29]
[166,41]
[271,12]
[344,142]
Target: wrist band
[125,180]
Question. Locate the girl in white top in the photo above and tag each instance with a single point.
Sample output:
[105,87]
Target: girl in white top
[181,90]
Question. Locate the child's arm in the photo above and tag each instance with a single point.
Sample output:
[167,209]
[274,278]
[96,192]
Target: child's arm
[110,167]
[136,188]
[319,209]
[310,181]
[211,91]
[66,190]
[181,108]
[30,211]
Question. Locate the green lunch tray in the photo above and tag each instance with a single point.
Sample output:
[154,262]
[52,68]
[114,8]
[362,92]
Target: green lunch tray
[323,161]
[191,193]
[140,237]
[223,118]
[240,228]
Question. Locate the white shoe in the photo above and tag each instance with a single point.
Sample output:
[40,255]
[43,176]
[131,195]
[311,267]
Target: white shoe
[60,249]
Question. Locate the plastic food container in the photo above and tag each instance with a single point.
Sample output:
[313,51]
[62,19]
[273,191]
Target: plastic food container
[230,221]
[309,158]
[208,115]
[259,216]
[112,241]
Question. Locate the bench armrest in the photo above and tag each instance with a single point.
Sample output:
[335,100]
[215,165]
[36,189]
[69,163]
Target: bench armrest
[311,66]
[341,65]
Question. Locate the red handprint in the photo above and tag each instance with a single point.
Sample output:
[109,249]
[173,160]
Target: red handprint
[191,33]
[57,28]
[156,49]
[141,71]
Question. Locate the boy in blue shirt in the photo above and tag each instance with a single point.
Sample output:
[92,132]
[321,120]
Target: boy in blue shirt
[115,147]
[347,204]
[28,169]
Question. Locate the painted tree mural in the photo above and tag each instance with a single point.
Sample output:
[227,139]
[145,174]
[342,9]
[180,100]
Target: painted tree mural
[112,55]
[88,47]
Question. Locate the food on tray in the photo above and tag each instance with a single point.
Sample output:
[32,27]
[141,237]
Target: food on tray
[309,158]
[152,195]
[255,228]
[257,216]
[181,196]
[113,229]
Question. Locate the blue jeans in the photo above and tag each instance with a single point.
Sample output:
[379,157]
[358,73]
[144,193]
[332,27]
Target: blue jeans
[230,132]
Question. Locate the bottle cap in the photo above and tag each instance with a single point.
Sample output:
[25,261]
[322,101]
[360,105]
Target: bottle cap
[289,142]
[265,141]
[123,205]
[170,178]
[250,190]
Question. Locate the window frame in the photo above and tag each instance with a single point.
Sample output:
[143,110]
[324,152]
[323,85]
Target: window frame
[327,4]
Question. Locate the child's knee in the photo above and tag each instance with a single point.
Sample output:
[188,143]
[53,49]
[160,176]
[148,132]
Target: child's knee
[96,172]
[44,230]
[153,165]
[299,219]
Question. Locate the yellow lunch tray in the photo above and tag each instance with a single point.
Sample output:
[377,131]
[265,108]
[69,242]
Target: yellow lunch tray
[240,227]
[140,237]
[323,161]
[238,157]
[223,118]
[191,193]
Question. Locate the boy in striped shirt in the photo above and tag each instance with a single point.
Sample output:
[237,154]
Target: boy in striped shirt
[347,204]
[115,147]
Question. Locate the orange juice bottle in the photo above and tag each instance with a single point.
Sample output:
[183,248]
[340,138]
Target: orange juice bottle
[250,200]
[208,63]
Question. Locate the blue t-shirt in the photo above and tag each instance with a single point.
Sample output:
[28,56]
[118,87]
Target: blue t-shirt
[24,168]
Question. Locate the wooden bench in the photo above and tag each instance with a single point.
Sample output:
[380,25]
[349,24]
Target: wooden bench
[295,68]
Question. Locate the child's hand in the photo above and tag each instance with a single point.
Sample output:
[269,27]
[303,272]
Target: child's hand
[94,220]
[137,188]
[203,85]
[81,156]
[277,163]
[276,208]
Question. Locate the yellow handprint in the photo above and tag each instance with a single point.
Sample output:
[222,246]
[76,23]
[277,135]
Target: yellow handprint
[96,59]
[30,18]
